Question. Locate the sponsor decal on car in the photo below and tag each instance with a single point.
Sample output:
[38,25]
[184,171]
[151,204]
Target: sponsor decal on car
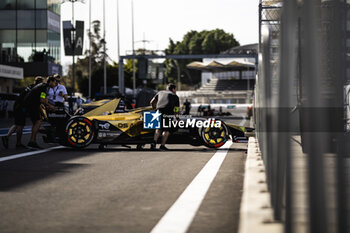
[104,126]
[56,115]
[102,135]
[123,125]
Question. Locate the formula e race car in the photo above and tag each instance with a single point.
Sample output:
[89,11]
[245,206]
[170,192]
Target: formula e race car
[106,125]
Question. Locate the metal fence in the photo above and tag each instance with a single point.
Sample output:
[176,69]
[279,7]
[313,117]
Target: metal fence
[300,112]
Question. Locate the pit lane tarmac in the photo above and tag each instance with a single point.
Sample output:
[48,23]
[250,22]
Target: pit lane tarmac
[120,189]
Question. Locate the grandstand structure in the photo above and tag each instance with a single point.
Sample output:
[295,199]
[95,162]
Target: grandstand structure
[218,91]
[225,80]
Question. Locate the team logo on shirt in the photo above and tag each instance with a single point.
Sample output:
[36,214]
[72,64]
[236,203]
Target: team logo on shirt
[152,120]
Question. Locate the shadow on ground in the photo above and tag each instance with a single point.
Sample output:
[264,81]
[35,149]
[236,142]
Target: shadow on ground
[19,172]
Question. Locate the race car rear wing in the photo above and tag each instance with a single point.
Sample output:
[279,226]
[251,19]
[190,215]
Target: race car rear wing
[104,109]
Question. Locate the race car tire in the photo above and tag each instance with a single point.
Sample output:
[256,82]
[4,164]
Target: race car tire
[79,132]
[214,137]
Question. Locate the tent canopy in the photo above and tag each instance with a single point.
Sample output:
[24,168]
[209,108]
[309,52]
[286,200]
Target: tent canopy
[215,66]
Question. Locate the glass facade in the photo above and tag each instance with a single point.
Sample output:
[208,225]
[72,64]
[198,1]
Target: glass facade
[8,4]
[30,31]
[54,6]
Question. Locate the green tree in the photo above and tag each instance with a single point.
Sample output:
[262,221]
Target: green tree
[204,42]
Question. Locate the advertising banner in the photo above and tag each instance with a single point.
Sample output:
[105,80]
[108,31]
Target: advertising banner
[73,38]
[11,72]
[79,37]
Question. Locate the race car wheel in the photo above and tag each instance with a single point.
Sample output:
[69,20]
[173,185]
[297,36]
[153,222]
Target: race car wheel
[214,137]
[80,132]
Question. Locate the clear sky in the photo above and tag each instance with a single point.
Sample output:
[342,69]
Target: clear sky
[159,20]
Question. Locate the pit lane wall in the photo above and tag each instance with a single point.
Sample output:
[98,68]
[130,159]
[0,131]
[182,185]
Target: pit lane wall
[256,213]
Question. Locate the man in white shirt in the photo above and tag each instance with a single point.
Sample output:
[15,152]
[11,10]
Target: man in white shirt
[58,94]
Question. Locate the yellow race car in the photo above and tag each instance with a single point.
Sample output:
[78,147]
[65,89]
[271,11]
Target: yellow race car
[107,125]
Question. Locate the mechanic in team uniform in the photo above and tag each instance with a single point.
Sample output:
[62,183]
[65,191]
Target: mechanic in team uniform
[167,102]
[20,115]
[34,99]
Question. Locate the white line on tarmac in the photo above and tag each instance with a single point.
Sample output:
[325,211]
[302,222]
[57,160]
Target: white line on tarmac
[180,215]
[26,130]
[4,134]
[3,159]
